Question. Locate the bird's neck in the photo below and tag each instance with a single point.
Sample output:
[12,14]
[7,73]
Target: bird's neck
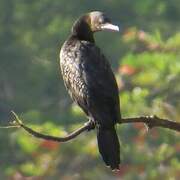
[82,31]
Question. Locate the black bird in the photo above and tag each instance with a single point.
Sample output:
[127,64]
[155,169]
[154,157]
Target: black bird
[89,79]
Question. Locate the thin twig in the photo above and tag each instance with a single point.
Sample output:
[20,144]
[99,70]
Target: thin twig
[9,127]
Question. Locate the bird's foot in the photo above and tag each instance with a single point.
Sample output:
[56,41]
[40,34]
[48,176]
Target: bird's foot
[91,125]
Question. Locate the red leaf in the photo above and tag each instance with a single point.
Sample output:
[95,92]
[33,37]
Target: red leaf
[139,139]
[129,34]
[138,126]
[154,134]
[127,70]
[51,145]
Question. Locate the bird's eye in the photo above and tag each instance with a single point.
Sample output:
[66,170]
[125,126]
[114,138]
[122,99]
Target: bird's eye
[106,20]
[103,20]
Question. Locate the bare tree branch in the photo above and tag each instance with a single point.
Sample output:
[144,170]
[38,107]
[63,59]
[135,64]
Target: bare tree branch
[150,121]
[153,121]
[87,126]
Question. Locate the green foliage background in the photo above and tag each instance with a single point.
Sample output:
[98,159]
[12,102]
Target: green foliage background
[146,59]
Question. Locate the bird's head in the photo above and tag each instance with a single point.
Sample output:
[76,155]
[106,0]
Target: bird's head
[98,21]
[92,22]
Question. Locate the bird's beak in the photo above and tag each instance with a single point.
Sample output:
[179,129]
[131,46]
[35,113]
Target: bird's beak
[109,27]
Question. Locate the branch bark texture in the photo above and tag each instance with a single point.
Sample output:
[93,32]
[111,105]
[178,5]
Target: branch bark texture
[150,121]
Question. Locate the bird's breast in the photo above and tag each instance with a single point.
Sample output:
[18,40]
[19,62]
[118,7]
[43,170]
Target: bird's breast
[71,64]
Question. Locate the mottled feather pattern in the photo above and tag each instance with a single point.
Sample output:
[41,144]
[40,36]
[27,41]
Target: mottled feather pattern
[72,76]
[80,74]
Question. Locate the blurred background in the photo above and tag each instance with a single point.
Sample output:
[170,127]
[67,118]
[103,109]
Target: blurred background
[146,59]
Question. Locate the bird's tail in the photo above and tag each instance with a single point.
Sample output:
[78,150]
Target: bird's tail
[109,147]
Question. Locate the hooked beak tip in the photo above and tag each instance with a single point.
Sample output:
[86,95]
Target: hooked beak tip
[110,27]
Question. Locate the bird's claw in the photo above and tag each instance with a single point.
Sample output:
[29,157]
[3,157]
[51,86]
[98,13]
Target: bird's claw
[90,124]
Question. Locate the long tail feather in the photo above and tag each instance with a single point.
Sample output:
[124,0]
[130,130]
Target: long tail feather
[109,147]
